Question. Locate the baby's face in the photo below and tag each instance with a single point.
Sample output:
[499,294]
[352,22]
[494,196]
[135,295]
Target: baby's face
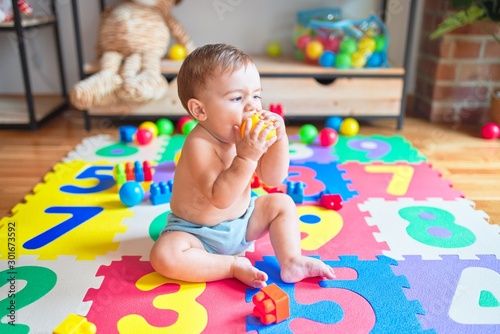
[232,97]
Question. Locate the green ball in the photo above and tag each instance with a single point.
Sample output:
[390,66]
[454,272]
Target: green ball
[343,60]
[165,126]
[308,133]
[380,42]
[189,126]
[348,45]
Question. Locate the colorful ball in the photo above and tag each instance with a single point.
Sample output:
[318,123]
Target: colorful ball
[358,60]
[380,43]
[490,131]
[330,43]
[165,126]
[183,120]
[308,133]
[334,122]
[273,49]
[314,49]
[189,126]
[177,52]
[375,60]
[348,45]
[327,59]
[367,45]
[343,60]
[328,137]
[131,193]
[143,136]
[149,126]
[349,127]
[303,41]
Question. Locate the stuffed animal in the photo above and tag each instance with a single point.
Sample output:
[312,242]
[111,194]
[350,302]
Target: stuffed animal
[133,38]
[6,13]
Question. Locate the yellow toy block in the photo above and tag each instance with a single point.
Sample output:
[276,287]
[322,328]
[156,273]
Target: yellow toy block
[75,324]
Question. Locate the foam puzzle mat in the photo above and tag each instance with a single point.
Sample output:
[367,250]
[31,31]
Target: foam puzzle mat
[410,252]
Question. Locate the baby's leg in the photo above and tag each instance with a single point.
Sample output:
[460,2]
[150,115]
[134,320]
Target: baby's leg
[278,214]
[181,256]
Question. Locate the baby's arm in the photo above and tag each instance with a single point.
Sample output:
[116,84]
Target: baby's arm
[221,182]
[273,166]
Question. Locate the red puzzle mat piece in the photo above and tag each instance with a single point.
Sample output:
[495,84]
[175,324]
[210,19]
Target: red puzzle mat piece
[354,237]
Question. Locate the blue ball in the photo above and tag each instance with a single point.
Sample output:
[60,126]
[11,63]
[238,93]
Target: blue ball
[333,122]
[375,60]
[327,59]
[131,193]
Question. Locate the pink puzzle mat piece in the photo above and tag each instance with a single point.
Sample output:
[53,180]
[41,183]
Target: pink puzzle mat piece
[354,236]
[390,181]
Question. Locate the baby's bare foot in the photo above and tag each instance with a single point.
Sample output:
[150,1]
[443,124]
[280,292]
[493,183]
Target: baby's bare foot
[301,267]
[248,274]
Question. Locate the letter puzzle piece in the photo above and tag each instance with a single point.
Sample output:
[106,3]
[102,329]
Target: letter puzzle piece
[271,304]
[75,324]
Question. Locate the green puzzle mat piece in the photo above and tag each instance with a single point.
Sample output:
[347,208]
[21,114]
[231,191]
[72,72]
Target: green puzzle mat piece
[366,149]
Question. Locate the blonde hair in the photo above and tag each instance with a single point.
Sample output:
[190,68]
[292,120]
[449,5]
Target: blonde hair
[205,63]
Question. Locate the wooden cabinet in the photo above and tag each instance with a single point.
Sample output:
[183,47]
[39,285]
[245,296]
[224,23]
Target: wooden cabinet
[306,91]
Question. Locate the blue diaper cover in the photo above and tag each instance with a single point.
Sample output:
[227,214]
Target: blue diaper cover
[226,238]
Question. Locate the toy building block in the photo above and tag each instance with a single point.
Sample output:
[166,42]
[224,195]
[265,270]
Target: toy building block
[271,304]
[120,176]
[127,133]
[148,172]
[331,201]
[129,171]
[255,182]
[278,109]
[160,193]
[138,172]
[75,324]
[296,191]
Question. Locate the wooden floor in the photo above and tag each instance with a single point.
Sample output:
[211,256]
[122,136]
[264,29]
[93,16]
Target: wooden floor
[472,164]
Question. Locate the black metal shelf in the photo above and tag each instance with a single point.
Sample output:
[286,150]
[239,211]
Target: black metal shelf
[19,26]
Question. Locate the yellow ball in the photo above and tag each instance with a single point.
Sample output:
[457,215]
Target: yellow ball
[349,127]
[358,60]
[274,49]
[150,126]
[367,44]
[255,119]
[314,49]
[177,52]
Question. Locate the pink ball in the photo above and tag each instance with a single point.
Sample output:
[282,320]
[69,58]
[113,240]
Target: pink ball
[183,120]
[143,136]
[328,137]
[490,131]
[330,43]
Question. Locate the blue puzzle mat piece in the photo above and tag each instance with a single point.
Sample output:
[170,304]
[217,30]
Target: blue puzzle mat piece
[377,283]
[327,312]
[329,174]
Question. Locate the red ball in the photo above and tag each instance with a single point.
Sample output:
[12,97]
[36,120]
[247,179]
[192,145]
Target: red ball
[490,131]
[328,137]
[143,136]
[302,41]
[183,120]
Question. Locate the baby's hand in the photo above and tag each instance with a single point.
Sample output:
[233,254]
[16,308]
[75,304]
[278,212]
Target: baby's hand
[253,140]
[277,122]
